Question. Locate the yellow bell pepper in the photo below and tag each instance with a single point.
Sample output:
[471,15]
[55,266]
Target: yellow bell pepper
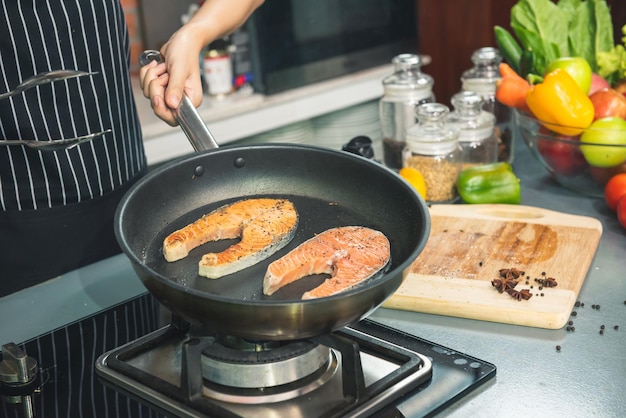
[560,103]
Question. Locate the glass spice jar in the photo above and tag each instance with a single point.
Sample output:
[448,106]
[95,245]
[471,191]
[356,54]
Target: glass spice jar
[477,139]
[482,79]
[432,148]
[407,87]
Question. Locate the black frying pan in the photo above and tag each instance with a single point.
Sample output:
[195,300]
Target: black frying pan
[329,189]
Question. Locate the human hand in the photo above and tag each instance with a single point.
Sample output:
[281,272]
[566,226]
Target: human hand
[179,73]
[164,84]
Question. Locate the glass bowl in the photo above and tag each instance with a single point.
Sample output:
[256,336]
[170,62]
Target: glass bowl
[562,156]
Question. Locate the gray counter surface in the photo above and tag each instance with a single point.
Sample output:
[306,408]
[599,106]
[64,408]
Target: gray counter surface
[585,378]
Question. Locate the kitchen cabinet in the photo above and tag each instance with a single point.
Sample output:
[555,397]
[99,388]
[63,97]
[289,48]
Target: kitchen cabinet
[449,31]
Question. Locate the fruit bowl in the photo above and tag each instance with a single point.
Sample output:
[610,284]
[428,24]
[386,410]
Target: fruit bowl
[583,167]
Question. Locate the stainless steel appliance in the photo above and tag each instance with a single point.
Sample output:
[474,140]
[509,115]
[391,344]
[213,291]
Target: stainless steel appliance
[287,44]
[366,369]
[294,43]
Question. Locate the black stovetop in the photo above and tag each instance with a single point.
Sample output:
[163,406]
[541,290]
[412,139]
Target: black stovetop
[67,384]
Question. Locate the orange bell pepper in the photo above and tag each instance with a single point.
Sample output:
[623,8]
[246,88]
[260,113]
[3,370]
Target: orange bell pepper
[560,104]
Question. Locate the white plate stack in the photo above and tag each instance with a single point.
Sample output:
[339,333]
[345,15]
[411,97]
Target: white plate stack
[295,133]
[337,128]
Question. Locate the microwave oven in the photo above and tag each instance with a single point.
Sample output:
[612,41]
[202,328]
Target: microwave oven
[290,43]
[298,42]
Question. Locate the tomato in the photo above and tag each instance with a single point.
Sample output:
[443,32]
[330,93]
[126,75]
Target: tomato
[563,157]
[621,211]
[614,190]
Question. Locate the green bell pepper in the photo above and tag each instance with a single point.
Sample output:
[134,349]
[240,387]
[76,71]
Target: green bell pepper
[489,183]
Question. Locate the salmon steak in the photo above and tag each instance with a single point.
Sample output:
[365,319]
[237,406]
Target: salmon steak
[350,254]
[263,225]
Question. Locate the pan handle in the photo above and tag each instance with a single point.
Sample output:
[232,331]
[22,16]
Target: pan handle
[186,115]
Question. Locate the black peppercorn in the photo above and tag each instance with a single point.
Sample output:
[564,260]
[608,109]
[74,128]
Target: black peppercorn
[558,348]
[570,323]
[616,327]
[574,313]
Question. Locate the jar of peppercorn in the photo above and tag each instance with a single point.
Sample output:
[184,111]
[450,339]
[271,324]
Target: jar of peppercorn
[406,88]
[482,78]
[432,148]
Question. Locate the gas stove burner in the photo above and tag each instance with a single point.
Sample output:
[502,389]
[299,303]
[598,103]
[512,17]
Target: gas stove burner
[156,372]
[324,376]
[238,363]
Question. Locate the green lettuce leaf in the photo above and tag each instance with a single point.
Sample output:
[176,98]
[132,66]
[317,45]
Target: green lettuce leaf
[542,27]
[591,31]
[567,28]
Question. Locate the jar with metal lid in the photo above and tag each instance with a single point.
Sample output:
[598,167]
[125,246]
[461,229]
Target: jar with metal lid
[432,148]
[217,69]
[477,139]
[482,79]
[407,87]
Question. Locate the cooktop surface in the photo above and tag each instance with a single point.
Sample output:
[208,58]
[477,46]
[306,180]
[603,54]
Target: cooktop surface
[66,382]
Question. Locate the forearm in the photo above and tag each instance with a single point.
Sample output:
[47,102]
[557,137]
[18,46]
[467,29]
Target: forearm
[165,84]
[218,18]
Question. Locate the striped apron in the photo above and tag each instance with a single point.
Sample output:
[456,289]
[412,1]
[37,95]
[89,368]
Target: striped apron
[57,208]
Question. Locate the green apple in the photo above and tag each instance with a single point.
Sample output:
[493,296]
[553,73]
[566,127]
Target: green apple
[577,67]
[608,133]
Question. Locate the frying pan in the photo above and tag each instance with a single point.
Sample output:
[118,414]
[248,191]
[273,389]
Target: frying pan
[328,188]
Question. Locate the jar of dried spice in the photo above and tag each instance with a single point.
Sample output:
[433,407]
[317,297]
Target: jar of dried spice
[406,88]
[432,148]
[482,79]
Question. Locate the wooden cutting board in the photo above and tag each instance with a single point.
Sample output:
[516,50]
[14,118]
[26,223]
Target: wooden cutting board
[469,244]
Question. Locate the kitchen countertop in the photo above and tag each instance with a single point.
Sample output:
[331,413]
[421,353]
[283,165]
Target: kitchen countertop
[585,378]
[241,115]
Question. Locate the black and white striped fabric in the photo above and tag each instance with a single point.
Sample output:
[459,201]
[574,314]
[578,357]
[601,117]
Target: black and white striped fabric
[66,358]
[57,208]
[88,35]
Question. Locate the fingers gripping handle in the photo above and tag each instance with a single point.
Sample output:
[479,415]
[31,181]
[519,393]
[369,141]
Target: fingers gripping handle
[186,115]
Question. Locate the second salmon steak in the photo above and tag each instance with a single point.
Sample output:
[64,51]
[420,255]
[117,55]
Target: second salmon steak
[349,254]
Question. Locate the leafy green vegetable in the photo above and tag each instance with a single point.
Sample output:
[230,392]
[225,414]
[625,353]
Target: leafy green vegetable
[567,28]
[612,63]
[541,26]
[587,36]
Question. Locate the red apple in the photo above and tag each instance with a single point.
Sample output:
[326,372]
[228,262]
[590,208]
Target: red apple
[561,153]
[598,83]
[608,103]
[602,175]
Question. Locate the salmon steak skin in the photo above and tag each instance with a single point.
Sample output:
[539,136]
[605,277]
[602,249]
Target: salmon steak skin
[350,254]
[263,225]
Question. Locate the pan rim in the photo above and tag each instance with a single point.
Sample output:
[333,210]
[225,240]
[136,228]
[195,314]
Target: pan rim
[387,276]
